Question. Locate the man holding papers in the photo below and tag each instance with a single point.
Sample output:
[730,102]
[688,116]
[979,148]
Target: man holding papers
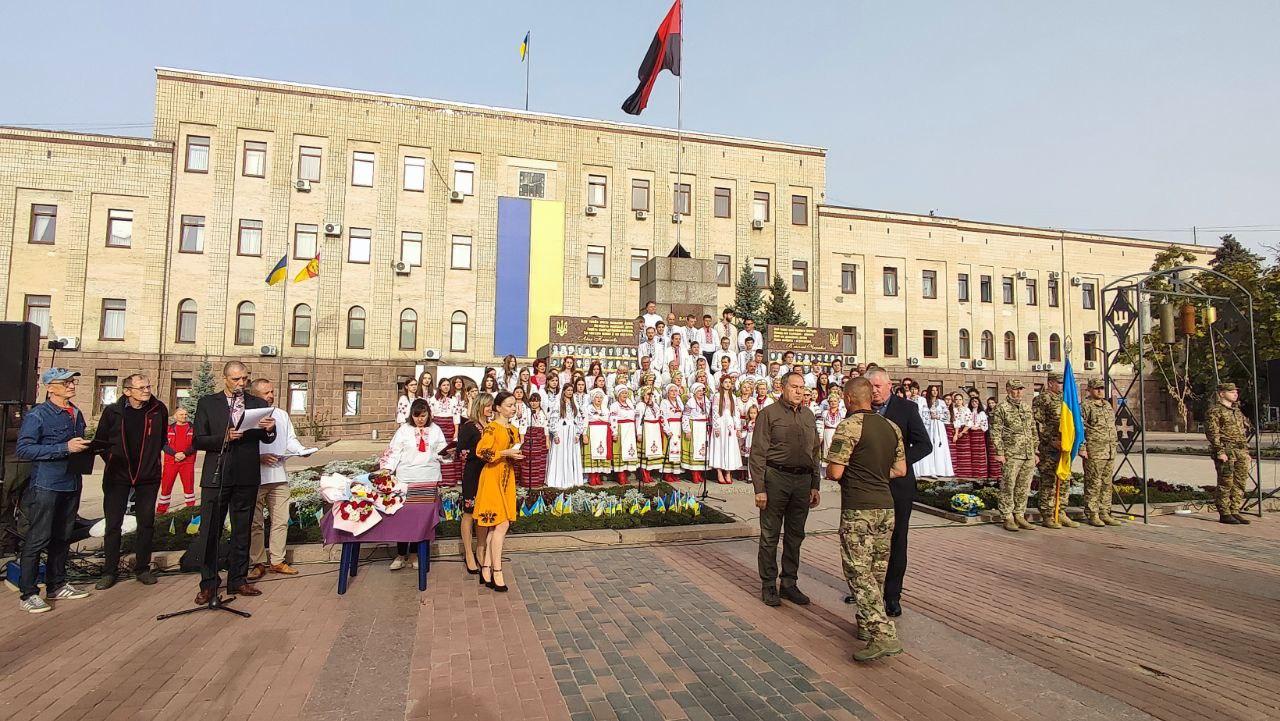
[273,493]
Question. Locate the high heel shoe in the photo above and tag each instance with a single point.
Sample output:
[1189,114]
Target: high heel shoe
[499,588]
[488,583]
[468,567]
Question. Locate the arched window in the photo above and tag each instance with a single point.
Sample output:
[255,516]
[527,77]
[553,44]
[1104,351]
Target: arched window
[1055,347]
[458,331]
[964,343]
[1033,347]
[302,325]
[355,327]
[988,345]
[187,321]
[246,318]
[1010,346]
[408,329]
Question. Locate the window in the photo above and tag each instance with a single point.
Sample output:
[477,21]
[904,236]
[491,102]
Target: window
[1006,290]
[309,164]
[464,175]
[301,325]
[890,342]
[305,238]
[597,191]
[800,275]
[681,199]
[639,256]
[930,344]
[533,184]
[848,278]
[1033,347]
[351,396]
[355,327]
[358,242]
[245,320]
[44,224]
[760,269]
[191,237]
[458,331]
[984,288]
[1010,346]
[722,203]
[250,238]
[799,210]
[1053,292]
[112,328]
[849,340]
[411,248]
[297,397]
[408,329]
[119,228]
[889,278]
[760,206]
[108,392]
[460,252]
[1087,299]
[1091,346]
[929,283]
[1055,347]
[254,164]
[415,173]
[964,343]
[362,169]
[724,271]
[36,309]
[1032,293]
[197,154]
[595,260]
[179,391]
[639,194]
[187,321]
[988,345]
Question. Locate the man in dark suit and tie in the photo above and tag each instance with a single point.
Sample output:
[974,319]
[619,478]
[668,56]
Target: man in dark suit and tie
[229,478]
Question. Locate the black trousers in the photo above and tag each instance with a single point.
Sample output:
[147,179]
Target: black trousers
[115,501]
[784,514]
[51,517]
[236,501]
[904,494]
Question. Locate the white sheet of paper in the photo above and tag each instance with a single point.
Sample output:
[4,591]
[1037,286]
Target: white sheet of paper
[253,416]
[300,454]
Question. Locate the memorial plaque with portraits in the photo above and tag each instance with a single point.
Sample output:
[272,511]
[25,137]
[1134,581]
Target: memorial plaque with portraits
[612,341]
[811,345]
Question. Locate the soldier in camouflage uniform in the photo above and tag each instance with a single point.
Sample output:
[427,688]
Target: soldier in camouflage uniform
[1098,453]
[1013,437]
[1046,410]
[1228,433]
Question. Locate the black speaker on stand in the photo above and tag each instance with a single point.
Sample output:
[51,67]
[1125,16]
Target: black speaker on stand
[18,365]
[1273,382]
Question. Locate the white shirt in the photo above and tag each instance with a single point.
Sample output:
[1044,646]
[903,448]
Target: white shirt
[286,442]
[410,464]
[733,360]
[651,349]
[742,339]
[744,357]
[708,338]
[726,330]
[650,319]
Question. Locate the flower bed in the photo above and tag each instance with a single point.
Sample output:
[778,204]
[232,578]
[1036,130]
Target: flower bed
[939,494]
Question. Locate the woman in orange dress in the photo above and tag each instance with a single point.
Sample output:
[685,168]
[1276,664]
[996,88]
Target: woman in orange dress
[495,508]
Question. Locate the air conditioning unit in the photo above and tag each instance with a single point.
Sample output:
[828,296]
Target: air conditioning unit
[675,218]
[964,365]
[1075,280]
[1090,365]
[979,364]
[431,354]
[333,230]
[1053,275]
[592,210]
[642,215]
[457,196]
[914,362]
[757,225]
[1036,367]
[851,359]
[69,342]
[1022,274]
[302,186]
[401,267]
[595,281]
[268,350]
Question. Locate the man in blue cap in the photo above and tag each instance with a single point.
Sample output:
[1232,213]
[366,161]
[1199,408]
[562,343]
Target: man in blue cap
[51,436]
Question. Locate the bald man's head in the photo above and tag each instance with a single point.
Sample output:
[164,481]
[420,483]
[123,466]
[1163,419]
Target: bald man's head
[857,394]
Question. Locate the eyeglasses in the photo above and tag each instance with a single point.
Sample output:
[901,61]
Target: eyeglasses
[67,382]
[138,388]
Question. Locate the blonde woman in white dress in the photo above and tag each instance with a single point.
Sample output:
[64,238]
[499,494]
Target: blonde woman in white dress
[723,452]
[564,428]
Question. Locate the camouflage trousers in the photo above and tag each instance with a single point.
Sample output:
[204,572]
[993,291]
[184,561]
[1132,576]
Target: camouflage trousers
[1015,485]
[1097,486]
[1053,492]
[1233,474]
[864,553]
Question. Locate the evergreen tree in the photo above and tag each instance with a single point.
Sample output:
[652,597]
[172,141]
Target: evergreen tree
[203,385]
[748,300]
[1231,252]
[780,310]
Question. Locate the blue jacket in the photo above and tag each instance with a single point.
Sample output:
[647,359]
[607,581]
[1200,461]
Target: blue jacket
[42,440]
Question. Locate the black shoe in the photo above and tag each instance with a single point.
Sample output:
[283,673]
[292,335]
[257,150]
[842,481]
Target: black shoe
[147,578]
[1241,519]
[794,595]
[850,599]
[893,609]
[1228,519]
[105,581]
[769,595]
[488,583]
[500,588]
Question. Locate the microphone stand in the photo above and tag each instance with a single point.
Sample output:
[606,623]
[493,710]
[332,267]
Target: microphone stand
[211,539]
[705,493]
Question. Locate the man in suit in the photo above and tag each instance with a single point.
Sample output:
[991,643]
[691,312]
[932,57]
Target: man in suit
[229,479]
[906,415]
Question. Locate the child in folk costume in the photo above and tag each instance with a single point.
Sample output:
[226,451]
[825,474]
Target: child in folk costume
[652,446]
[597,447]
[724,453]
[961,460]
[982,465]
[672,410]
[565,426]
[626,434]
[445,415]
[696,426]
[831,415]
[748,429]
[523,415]
[532,469]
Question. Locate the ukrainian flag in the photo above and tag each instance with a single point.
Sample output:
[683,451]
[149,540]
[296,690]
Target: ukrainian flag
[1071,423]
[524,47]
[280,272]
[529,274]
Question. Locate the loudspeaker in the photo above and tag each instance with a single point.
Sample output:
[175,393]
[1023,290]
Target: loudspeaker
[1273,377]
[19,361]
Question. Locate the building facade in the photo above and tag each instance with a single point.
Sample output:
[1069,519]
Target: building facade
[153,253]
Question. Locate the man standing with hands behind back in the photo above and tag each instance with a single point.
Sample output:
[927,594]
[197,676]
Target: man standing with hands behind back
[784,469]
[235,488]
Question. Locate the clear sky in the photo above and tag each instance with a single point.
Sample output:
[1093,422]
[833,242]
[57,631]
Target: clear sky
[1143,117]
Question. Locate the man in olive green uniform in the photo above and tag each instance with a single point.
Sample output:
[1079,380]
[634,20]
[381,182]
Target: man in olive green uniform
[1098,453]
[1046,409]
[1228,433]
[1013,437]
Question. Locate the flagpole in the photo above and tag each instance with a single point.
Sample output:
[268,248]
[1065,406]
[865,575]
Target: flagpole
[680,126]
[284,326]
[528,63]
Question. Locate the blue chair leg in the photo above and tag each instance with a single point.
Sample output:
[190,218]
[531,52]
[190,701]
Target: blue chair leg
[342,568]
[424,563]
[355,558]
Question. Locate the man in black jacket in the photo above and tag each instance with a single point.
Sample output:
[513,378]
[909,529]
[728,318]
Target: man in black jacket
[130,437]
[229,478]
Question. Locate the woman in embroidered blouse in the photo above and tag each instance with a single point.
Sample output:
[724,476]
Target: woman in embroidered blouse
[408,393]
[414,457]
[499,449]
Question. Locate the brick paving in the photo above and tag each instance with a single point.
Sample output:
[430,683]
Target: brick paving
[1170,621]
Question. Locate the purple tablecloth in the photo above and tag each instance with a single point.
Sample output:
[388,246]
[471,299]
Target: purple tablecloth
[412,523]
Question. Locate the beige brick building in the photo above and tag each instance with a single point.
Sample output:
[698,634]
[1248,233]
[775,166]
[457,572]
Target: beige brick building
[242,171]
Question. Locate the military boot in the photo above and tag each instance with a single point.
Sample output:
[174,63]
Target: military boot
[1022,522]
[1228,519]
[1241,519]
[1111,520]
[1066,521]
[878,648]
[863,634]
[1049,520]
[1096,521]
[1010,524]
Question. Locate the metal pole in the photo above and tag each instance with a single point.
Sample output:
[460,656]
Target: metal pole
[1142,395]
[528,63]
[284,324]
[1257,429]
[680,129]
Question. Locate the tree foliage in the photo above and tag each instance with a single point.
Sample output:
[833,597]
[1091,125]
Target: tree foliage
[748,300]
[780,309]
[202,385]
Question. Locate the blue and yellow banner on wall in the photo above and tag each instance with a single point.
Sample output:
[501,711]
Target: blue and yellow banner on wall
[530,274]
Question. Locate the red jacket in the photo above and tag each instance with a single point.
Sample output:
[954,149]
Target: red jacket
[180,440]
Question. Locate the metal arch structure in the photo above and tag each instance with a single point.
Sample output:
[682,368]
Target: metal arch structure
[1128,297]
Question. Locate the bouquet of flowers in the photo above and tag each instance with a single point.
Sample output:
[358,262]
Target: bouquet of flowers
[355,516]
[967,503]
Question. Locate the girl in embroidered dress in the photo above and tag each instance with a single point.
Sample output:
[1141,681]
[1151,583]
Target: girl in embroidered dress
[961,459]
[597,446]
[696,427]
[624,425]
[533,468]
[444,414]
[724,454]
[538,378]
[408,394]
[564,460]
[672,409]
[832,414]
[652,447]
[748,428]
[936,417]
[977,436]
[508,376]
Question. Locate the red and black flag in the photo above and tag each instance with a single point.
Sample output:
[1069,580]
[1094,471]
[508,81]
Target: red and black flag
[664,54]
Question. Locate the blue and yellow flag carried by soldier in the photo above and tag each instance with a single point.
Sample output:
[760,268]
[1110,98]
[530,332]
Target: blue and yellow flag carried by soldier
[1070,423]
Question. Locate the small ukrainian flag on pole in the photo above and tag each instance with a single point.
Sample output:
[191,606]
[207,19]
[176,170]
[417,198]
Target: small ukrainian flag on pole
[524,46]
[280,272]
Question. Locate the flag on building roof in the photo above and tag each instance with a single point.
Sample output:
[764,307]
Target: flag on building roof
[280,272]
[664,54]
[1071,422]
[309,271]
[524,47]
